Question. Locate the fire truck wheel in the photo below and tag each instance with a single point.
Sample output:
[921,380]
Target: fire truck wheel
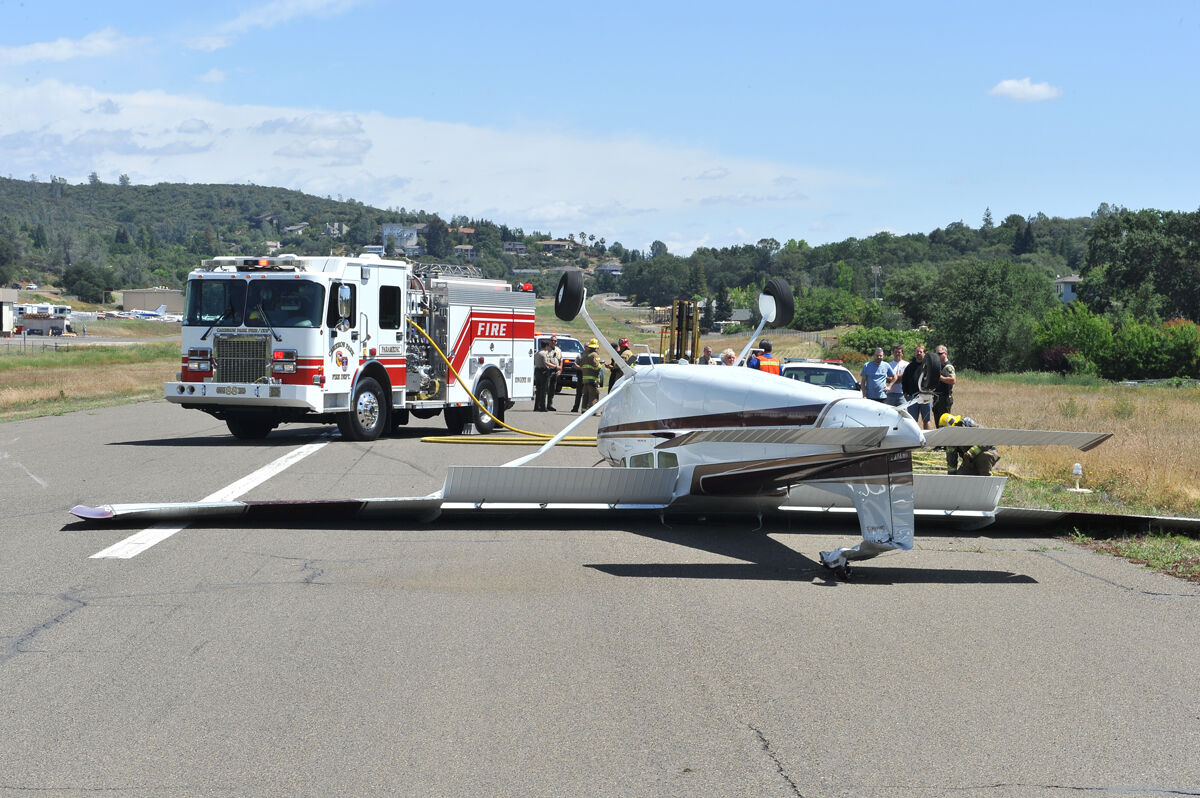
[368,414]
[249,428]
[456,419]
[569,298]
[487,397]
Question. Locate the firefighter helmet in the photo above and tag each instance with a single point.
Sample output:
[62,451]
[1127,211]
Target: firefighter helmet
[623,343]
[593,344]
[947,420]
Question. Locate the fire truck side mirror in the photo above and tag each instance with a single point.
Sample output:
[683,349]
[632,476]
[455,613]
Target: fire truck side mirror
[343,304]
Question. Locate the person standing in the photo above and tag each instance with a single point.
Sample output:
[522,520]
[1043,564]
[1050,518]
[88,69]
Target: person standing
[943,390]
[541,376]
[895,391]
[919,377]
[707,357]
[764,360]
[625,352]
[554,359]
[590,374]
[877,377]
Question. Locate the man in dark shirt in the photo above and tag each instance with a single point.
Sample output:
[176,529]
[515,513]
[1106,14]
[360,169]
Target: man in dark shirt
[920,376]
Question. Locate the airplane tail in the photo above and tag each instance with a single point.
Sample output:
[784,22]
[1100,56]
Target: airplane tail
[161,310]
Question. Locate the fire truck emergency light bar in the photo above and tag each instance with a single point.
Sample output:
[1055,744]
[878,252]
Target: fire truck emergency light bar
[281,263]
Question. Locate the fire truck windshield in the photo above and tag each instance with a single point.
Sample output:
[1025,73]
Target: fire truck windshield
[284,303]
[212,302]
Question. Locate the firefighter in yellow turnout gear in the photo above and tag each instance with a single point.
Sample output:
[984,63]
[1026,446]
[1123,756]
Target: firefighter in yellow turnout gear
[968,460]
[590,371]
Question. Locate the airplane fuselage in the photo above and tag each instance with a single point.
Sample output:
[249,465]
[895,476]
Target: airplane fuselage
[733,429]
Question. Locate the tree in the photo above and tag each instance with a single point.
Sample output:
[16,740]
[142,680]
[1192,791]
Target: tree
[724,304]
[986,313]
[437,238]
[1072,328]
[123,180]
[1145,262]
[658,249]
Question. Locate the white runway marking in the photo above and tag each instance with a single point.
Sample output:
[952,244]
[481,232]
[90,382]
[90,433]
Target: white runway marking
[136,544]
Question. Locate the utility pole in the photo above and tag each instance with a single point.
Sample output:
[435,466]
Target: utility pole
[875,270]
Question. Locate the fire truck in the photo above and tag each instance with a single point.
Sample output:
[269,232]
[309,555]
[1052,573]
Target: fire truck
[362,342]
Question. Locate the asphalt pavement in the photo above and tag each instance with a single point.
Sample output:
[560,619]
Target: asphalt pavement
[532,655]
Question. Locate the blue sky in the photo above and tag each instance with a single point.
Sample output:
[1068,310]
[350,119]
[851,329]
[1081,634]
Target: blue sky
[699,124]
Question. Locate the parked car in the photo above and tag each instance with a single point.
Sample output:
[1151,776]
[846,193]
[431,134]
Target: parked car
[572,349]
[647,359]
[829,373]
[31,287]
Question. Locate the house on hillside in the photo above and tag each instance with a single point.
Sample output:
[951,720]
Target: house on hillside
[614,268]
[466,251]
[514,247]
[1065,287]
[336,229]
[403,238]
[294,229]
[557,246]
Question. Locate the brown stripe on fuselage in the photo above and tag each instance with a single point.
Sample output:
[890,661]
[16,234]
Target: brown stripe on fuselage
[766,476]
[795,416]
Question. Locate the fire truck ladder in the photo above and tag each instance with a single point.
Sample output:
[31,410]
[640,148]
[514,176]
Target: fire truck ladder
[445,269]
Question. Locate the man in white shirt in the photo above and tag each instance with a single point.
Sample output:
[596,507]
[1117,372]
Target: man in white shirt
[895,392]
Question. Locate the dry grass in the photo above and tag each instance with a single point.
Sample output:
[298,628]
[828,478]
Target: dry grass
[1151,464]
[53,383]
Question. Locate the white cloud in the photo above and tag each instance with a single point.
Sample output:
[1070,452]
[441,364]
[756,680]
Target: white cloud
[1025,91]
[193,126]
[101,43]
[269,15]
[527,177]
[213,75]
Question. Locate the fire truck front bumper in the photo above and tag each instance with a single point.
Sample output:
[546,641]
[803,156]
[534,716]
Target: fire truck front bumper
[258,395]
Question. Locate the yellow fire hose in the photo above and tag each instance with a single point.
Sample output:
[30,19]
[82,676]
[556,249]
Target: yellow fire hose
[541,437]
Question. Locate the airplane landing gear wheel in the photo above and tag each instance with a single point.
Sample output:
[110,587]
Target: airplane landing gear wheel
[785,308]
[568,300]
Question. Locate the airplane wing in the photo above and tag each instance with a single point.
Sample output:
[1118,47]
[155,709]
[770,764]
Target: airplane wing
[985,436]
[854,436]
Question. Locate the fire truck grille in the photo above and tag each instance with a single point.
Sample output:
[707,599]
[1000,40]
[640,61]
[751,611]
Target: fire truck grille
[241,358]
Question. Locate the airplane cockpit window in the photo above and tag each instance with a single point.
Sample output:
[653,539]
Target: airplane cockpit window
[211,302]
[647,460]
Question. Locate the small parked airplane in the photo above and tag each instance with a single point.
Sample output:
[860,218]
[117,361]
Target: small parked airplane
[158,314]
[710,441]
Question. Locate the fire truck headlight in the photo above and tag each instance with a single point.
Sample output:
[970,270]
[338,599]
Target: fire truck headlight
[283,361]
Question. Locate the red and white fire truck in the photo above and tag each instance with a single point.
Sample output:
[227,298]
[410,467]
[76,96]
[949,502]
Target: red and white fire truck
[336,340]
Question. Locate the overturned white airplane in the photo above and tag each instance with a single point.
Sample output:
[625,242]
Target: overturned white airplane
[711,441]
